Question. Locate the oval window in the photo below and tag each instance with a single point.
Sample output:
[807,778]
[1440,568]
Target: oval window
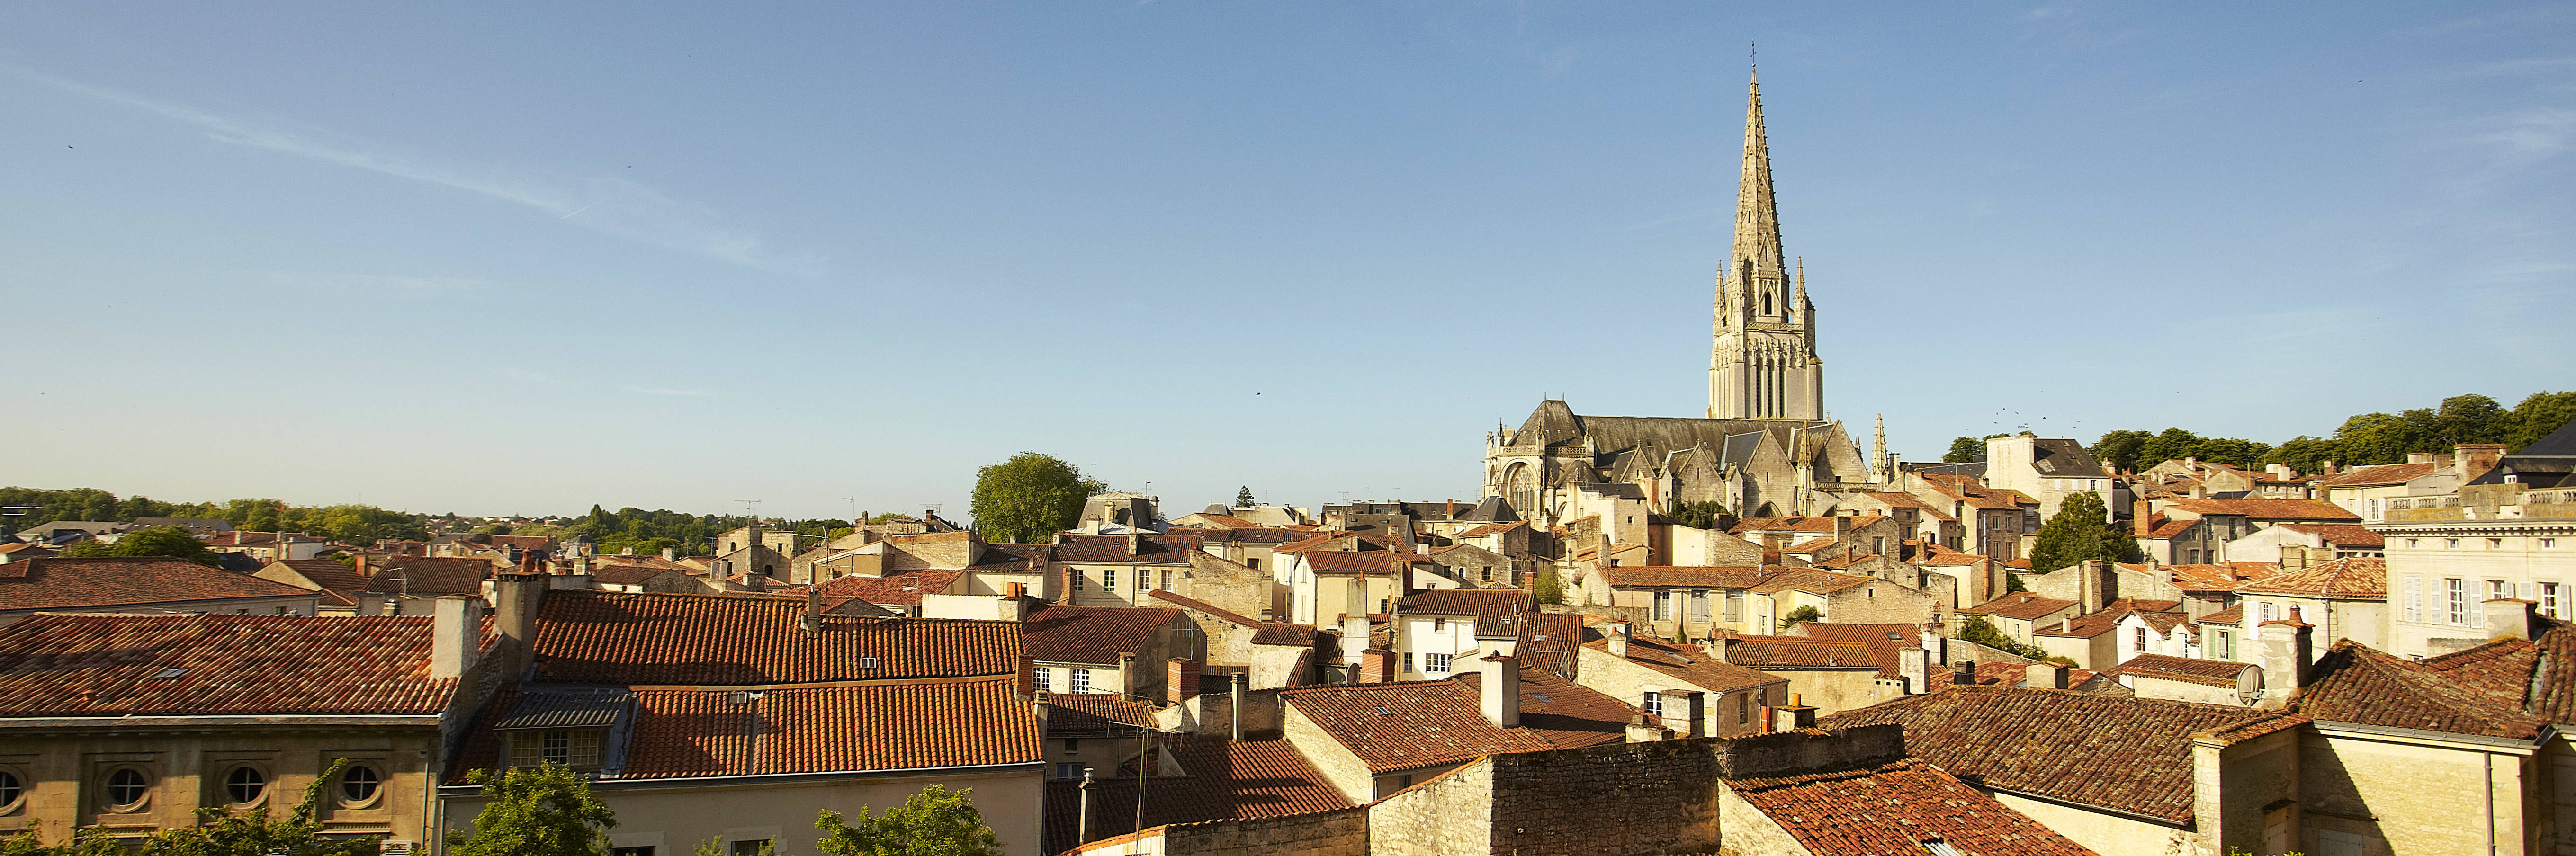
[244,784]
[10,789]
[126,787]
[359,783]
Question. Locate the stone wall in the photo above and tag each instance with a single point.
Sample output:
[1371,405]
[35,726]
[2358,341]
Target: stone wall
[1658,797]
[1449,814]
[1330,758]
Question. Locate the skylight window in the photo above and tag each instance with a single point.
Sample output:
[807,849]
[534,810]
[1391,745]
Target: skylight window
[1940,847]
[166,674]
[867,662]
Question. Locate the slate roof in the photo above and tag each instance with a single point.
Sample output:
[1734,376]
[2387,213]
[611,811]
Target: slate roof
[2268,509]
[91,583]
[877,725]
[1691,664]
[2216,673]
[2064,459]
[2509,688]
[1217,780]
[419,576]
[1894,808]
[110,665]
[1799,653]
[2355,578]
[1484,529]
[1094,635]
[647,638]
[2123,753]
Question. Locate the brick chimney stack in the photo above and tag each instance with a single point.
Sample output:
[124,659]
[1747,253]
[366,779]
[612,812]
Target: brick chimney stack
[2142,518]
[1500,685]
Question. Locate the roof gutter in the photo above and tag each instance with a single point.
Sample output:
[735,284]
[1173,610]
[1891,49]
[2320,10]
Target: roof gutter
[2185,824]
[2511,745]
[193,720]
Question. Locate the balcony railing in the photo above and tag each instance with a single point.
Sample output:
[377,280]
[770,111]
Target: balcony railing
[2484,502]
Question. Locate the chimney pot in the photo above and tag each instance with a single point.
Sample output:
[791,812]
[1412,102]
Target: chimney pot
[1500,688]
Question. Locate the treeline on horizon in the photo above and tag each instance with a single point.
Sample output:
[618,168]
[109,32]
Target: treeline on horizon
[2362,440]
[645,532]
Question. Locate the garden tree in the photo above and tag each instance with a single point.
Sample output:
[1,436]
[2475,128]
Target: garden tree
[716,847]
[256,833]
[1964,450]
[933,822]
[2537,416]
[171,541]
[2306,454]
[1243,497]
[544,811]
[1803,613]
[2077,534]
[1699,515]
[91,549]
[86,841]
[1983,632]
[1029,498]
[1547,588]
[2119,449]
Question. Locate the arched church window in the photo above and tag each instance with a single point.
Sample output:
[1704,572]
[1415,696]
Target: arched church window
[1766,303]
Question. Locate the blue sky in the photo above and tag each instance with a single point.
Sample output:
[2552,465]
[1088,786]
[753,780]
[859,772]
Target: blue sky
[521,258]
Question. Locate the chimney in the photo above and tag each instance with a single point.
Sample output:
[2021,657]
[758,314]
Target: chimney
[1963,674]
[1182,681]
[671,554]
[2326,469]
[2142,518]
[1618,637]
[1936,646]
[1377,666]
[1127,677]
[516,597]
[1014,605]
[1134,541]
[1842,529]
[2286,650]
[455,637]
[2088,585]
[1794,715]
[1355,637]
[2293,557]
[2046,676]
[1914,665]
[1500,684]
[363,570]
[2475,459]
[812,620]
[2508,619]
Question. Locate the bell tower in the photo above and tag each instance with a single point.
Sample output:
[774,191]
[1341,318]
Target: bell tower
[1762,360]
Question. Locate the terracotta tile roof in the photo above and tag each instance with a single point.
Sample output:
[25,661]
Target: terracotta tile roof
[1112,549]
[1414,724]
[1095,635]
[629,575]
[59,583]
[997,557]
[903,588]
[327,573]
[429,577]
[2217,673]
[2212,577]
[1820,523]
[728,640]
[2340,535]
[1810,580]
[1222,521]
[1282,633]
[1255,535]
[887,725]
[1547,641]
[1893,809]
[1811,545]
[1799,652]
[1690,664]
[1206,607]
[1683,576]
[1948,559]
[2267,509]
[2020,605]
[2507,688]
[2124,753]
[1086,713]
[2379,475]
[2082,627]
[2231,615]
[1315,541]
[1884,640]
[1216,780]
[1907,500]
[1371,562]
[2357,578]
[108,665]
[2167,529]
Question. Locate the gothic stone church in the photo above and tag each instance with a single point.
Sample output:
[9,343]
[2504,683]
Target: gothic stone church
[1765,449]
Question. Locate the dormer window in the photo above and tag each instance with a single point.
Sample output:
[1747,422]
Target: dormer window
[577,748]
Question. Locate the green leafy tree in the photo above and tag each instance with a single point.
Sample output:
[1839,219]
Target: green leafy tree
[86,841]
[171,541]
[2075,534]
[2013,583]
[2469,418]
[1709,514]
[256,833]
[2306,454]
[2119,449]
[1801,614]
[1030,497]
[545,811]
[933,822]
[1964,450]
[2537,416]
[716,847]
[89,549]
[1548,588]
[1243,497]
[1983,632]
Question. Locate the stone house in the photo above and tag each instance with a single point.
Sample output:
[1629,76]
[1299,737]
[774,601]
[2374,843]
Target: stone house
[2181,678]
[2122,629]
[1974,579]
[2018,614]
[1324,584]
[1699,601]
[1474,566]
[737,718]
[2507,534]
[231,712]
[2123,776]
[1436,633]
[1826,675]
[1250,547]
[2344,599]
[1197,782]
[2366,491]
[2049,470]
[1916,519]
[1992,521]
[1840,597]
[1263,654]
[2298,545]
[143,585]
[1692,692]
[1371,740]
[1112,649]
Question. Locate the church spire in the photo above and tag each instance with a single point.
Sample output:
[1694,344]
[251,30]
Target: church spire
[1757,217]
